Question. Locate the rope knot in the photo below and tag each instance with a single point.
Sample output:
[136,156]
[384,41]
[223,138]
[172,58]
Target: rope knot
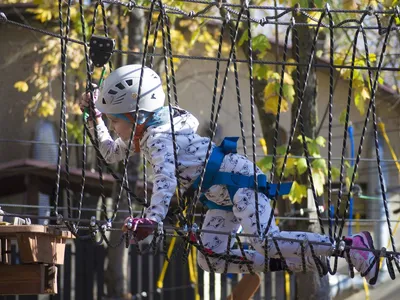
[371,10]
[131,5]
[3,18]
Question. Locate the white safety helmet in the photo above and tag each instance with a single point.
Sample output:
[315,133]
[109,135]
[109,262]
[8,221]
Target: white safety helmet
[119,91]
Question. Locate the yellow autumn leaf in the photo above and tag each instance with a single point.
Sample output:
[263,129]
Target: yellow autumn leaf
[21,86]
[319,181]
[263,144]
[47,108]
[297,193]
[44,15]
[270,90]
[288,79]
[290,163]
[365,93]
[316,16]
[74,65]
[291,68]
[271,105]
[350,4]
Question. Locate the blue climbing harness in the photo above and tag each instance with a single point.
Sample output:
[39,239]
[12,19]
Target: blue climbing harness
[232,181]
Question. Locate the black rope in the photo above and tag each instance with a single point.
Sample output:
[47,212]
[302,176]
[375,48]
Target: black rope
[205,58]
[208,154]
[378,156]
[242,16]
[253,118]
[128,150]
[238,97]
[166,49]
[216,77]
[63,130]
[89,87]
[330,109]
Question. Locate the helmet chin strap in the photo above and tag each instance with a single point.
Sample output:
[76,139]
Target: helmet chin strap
[146,119]
[139,130]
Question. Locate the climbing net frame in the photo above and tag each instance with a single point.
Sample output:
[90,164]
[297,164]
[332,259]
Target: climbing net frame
[231,17]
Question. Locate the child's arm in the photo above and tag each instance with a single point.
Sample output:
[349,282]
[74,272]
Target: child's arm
[112,151]
[165,182]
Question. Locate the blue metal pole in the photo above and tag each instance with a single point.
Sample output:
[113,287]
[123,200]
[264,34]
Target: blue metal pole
[351,138]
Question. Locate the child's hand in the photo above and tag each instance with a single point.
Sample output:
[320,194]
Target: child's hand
[85,101]
[142,227]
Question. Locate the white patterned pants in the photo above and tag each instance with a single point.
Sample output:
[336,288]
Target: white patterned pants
[244,215]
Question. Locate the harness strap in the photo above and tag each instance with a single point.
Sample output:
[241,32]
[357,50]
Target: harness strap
[233,181]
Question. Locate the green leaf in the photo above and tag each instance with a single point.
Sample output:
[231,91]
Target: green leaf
[319,3]
[303,3]
[75,131]
[308,140]
[288,92]
[320,141]
[265,164]
[342,117]
[260,71]
[261,43]
[313,148]
[281,150]
[359,102]
[301,165]
[319,164]
[244,38]
[335,173]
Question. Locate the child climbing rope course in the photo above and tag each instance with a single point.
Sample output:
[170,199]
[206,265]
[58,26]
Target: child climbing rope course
[230,207]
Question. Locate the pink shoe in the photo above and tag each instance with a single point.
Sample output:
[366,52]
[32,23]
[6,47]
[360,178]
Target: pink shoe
[362,260]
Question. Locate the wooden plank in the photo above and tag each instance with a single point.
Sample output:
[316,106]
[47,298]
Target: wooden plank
[28,279]
[5,251]
[13,230]
[41,249]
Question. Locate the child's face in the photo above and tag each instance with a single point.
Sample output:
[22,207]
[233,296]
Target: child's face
[121,127]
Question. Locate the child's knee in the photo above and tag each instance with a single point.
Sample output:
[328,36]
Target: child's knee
[202,262]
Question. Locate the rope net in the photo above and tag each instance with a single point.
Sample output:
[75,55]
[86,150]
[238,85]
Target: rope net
[236,23]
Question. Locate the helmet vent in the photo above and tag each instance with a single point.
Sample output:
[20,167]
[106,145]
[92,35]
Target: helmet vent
[104,101]
[120,86]
[112,92]
[129,82]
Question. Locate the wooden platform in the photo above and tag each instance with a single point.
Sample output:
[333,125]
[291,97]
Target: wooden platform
[41,249]
[28,279]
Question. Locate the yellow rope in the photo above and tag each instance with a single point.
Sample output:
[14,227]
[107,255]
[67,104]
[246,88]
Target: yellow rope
[196,274]
[192,264]
[160,281]
[287,285]
[366,289]
[385,136]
